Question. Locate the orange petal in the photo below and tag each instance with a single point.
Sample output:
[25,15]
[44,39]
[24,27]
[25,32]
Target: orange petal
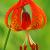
[13,8]
[7,15]
[9,11]
[16,19]
[38,16]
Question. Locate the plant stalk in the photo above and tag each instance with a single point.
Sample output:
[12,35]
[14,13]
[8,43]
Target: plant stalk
[7,39]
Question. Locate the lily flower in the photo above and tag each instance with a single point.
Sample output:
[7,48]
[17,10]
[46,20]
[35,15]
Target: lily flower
[38,16]
[22,21]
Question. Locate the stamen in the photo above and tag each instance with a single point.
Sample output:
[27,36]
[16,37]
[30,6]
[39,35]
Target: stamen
[32,43]
[25,47]
[33,47]
[20,47]
[36,47]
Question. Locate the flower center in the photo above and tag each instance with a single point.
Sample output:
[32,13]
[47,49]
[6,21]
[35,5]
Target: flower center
[26,21]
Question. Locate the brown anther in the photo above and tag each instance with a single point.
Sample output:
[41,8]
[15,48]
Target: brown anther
[25,47]
[20,47]
[36,47]
[33,46]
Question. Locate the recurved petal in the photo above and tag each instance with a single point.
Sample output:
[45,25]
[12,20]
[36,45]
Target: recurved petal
[7,15]
[38,16]
[17,7]
[16,19]
[9,11]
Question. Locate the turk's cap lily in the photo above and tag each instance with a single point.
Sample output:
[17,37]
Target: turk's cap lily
[37,21]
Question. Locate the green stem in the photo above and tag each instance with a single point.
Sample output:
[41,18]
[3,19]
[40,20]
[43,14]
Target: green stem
[7,39]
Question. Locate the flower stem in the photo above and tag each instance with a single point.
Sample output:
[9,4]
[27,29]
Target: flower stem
[7,39]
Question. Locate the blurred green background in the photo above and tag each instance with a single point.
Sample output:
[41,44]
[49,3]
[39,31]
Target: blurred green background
[41,37]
